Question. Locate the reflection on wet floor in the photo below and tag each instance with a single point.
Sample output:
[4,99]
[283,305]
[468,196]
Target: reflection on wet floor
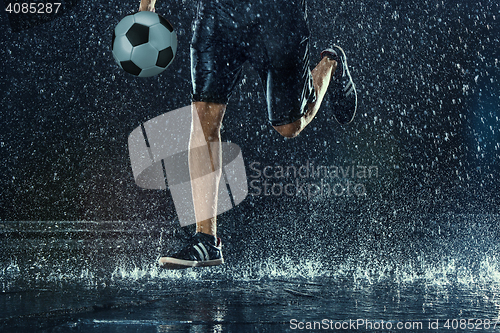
[186,306]
[89,277]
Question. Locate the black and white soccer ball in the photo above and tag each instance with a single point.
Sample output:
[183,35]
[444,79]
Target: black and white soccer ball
[144,44]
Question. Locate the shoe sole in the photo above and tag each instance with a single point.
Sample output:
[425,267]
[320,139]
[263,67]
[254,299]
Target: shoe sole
[352,86]
[349,87]
[174,263]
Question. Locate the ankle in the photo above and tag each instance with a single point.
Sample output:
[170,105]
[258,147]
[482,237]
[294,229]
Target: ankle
[208,237]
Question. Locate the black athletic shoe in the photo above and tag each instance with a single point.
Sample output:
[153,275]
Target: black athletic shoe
[343,96]
[202,250]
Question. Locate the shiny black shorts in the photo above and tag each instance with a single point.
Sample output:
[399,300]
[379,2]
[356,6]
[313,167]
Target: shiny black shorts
[272,35]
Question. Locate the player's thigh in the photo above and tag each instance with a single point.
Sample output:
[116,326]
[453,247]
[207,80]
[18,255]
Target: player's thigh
[286,72]
[216,58]
[289,85]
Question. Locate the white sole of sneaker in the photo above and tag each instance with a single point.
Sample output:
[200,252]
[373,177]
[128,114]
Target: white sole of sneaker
[174,263]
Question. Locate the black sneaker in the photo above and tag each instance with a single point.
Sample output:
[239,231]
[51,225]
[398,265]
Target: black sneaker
[343,96]
[202,250]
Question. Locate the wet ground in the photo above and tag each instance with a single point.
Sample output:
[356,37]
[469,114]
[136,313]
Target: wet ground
[101,277]
[265,305]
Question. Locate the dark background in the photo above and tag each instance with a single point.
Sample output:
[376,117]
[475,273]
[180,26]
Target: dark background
[427,74]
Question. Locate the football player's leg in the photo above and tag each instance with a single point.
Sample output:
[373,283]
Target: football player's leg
[215,68]
[205,159]
[294,92]
[321,77]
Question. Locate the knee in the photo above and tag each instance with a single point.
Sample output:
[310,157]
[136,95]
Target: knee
[291,130]
[209,117]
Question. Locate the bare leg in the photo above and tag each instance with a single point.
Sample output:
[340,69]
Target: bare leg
[205,159]
[322,75]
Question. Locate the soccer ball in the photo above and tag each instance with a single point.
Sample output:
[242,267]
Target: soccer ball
[144,44]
